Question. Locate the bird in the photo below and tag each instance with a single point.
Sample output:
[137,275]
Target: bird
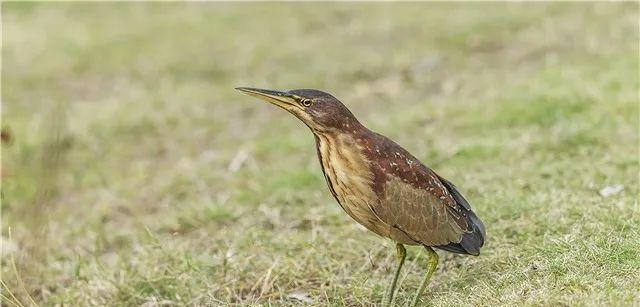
[381,185]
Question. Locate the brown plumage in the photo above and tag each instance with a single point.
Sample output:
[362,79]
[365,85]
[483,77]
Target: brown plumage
[380,184]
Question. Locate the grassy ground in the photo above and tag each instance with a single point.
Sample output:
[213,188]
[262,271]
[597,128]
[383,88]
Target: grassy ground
[136,175]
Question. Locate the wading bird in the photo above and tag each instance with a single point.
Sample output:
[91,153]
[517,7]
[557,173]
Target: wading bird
[381,185]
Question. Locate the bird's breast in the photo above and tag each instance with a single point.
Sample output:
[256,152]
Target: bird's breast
[349,176]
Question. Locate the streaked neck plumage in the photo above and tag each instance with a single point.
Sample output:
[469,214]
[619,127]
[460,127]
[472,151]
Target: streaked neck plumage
[348,173]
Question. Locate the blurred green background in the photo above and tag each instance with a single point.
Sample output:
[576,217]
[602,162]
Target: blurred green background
[134,174]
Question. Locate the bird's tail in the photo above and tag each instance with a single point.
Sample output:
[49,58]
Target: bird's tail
[472,241]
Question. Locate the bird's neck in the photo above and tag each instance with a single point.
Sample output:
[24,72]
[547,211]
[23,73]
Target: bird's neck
[348,173]
[346,129]
[342,153]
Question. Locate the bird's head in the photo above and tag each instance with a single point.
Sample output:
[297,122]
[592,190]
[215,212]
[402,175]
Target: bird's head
[320,111]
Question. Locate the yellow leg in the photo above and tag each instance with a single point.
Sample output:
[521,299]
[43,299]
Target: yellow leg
[401,253]
[432,265]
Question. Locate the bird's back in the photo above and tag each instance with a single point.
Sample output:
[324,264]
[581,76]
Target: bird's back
[418,203]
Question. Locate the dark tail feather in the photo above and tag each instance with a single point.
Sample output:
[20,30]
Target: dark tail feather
[472,241]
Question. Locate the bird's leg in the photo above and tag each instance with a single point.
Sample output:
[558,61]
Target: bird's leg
[432,265]
[401,253]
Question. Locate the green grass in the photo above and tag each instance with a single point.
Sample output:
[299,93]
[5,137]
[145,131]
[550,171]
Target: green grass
[117,187]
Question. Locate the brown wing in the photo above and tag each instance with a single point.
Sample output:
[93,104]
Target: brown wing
[412,198]
[426,216]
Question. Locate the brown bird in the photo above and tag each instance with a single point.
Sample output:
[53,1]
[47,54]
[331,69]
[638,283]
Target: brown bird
[381,185]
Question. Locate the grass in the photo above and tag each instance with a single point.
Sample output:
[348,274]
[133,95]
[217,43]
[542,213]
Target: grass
[136,175]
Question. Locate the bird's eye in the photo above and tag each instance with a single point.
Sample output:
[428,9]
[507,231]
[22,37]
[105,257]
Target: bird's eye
[306,102]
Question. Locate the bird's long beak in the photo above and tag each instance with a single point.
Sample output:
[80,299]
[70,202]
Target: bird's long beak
[281,99]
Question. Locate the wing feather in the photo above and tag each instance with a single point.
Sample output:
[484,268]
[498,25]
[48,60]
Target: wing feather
[423,206]
[421,214]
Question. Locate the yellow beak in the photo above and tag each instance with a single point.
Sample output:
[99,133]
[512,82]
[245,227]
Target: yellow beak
[281,99]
